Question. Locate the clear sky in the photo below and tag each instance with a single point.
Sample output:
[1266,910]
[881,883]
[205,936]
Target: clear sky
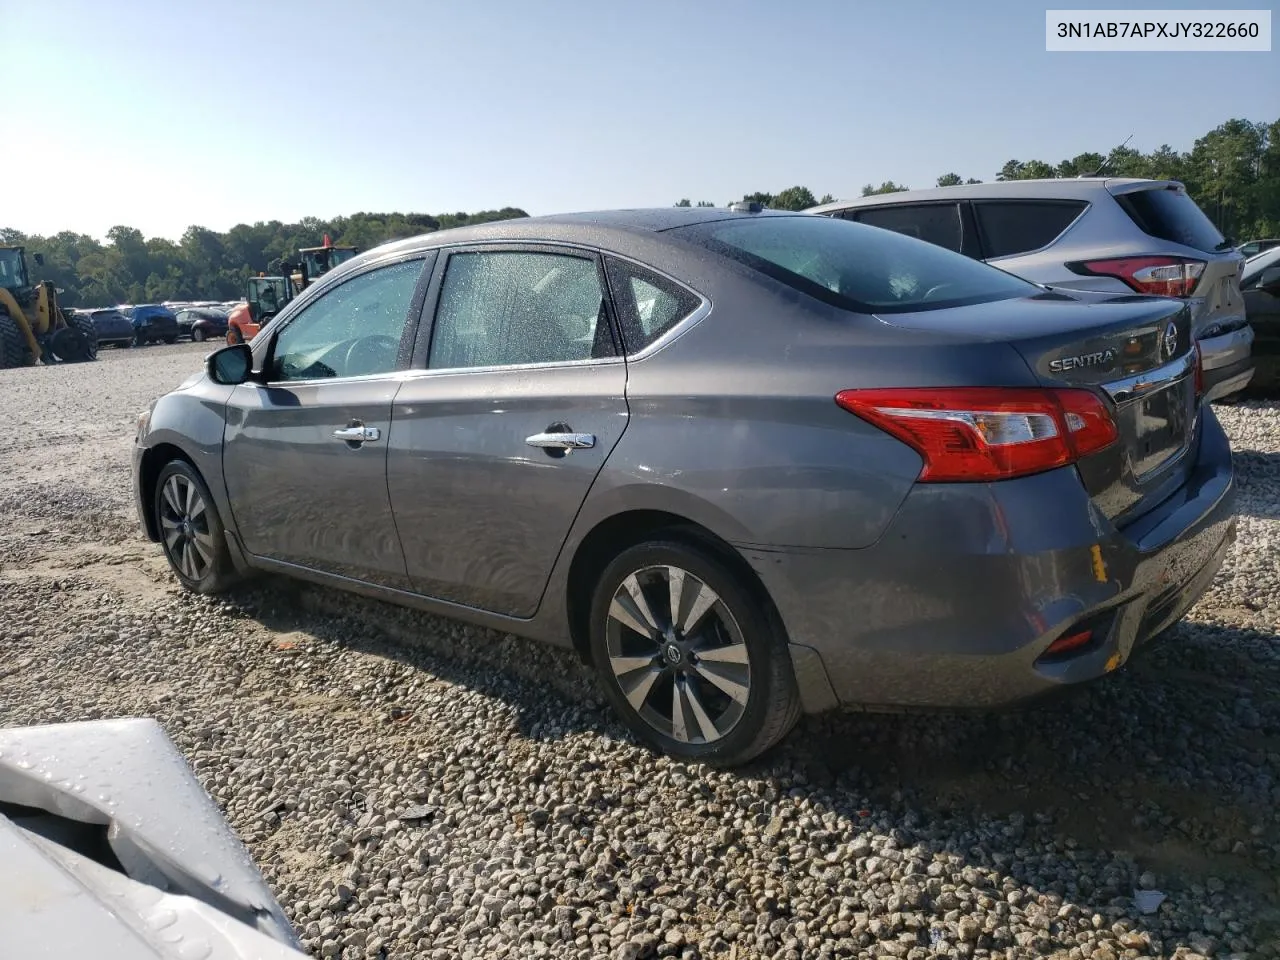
[163,113]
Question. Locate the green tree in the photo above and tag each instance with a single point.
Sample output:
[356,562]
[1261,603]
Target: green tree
[684,203]
[794,198]
[949,180]
[887,187]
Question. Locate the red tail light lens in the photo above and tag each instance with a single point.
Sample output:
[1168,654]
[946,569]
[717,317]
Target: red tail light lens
[987,433]
[1068,643]
[1158,276]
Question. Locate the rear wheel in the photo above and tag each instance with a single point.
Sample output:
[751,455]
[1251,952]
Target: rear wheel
[234,336]
[191,531]
[197,334]
[689,658]
[86,327]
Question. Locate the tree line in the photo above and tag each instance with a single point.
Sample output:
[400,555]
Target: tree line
[206,264]
[1233,172]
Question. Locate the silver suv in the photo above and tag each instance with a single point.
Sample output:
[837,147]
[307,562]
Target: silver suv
[1090,233]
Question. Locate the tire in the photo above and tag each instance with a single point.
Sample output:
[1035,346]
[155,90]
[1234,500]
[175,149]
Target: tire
[193,538]
[754,702]
[234,336]
[85,326]
[13,346]
[197,335]
[170,339]
[139,339]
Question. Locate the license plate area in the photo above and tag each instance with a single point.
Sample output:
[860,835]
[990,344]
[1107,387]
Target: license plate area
[1156,427]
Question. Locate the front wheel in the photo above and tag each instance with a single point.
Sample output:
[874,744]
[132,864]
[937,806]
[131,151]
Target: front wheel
[191,532]
[689,658]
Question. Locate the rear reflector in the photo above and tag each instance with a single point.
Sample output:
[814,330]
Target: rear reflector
[987,433]
[1157,276]
[1067,643]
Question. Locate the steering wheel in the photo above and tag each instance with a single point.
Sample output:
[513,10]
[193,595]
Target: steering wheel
[377,352]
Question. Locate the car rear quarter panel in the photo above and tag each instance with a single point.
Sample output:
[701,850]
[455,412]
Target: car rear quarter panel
[734,423]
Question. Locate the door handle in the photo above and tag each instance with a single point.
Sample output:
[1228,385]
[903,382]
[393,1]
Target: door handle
[357,434]
[561,441]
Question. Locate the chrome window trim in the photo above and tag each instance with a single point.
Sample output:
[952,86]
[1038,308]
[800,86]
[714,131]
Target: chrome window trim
[1141,384]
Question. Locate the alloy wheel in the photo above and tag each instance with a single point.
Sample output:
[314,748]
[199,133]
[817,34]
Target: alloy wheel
[184,524]
[678,654]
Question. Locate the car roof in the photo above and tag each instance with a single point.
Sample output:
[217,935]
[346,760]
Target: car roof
[1055,188]
[597,227]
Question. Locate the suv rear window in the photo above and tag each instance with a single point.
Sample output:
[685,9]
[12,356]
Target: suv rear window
[856,267]
[1168,213]
[1019,226]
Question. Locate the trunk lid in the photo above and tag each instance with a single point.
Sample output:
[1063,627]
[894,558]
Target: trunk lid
[1134,350]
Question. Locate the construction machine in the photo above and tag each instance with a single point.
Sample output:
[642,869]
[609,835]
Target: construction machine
[32,327]
[315,262]
[265,296]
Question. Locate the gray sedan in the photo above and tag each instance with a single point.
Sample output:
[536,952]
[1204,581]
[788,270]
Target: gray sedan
[748,464]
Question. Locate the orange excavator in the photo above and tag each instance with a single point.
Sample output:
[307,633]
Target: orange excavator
[265,296]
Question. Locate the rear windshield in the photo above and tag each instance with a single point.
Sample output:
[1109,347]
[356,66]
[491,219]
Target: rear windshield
[1170,214]
[855,266]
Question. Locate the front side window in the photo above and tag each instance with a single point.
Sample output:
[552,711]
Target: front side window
[352,330]
[933,222]
[504,308]
[856,267]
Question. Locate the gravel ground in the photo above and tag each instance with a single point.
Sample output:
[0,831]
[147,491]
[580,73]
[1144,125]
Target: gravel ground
[412,787]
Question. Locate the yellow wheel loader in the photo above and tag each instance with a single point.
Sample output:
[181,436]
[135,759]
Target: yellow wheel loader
[32,327]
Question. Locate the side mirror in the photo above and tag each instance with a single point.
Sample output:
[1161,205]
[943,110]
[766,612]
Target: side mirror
[38,258]
[1270,280]
[230,365]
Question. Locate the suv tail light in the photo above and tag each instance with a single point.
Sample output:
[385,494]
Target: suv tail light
[987,433]
[1157,276]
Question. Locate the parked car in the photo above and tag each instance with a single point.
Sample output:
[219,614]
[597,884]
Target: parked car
[748,464]
[1260,282]
[202,323]
[152,323]
[1091,233]
[1255,247]
[113,327]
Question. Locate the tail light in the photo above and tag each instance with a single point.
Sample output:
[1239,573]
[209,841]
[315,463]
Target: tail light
[1158,276]
[987,433]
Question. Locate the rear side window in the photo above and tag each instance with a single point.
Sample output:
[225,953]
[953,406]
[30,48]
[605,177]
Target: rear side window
[933,222]
[1019,226]
[855,267]
[648,305]
[1170,214]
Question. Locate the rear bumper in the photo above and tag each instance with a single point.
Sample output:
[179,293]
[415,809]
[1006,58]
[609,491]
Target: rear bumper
[957,602]
[1227,362]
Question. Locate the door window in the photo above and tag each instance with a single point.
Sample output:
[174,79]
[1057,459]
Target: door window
[505,307]
[353,330]
[937,223]
[1020,226]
